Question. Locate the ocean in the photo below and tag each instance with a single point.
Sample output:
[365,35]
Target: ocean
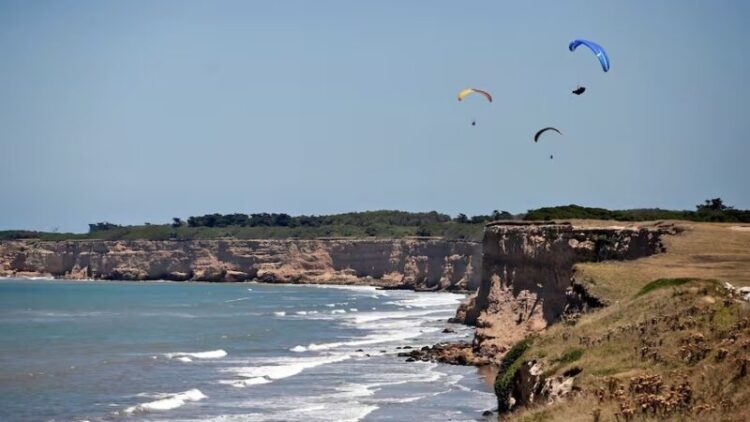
[110,351]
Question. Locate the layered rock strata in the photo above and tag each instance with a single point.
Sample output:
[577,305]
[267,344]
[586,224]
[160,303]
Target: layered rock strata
[527,276]
[418,263]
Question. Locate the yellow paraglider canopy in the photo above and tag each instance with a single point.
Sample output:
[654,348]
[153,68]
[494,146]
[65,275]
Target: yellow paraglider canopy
[467,91]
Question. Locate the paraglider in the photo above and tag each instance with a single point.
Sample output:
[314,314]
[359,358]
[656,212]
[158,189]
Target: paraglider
[580,90]
[541,131]
[464,93]
[597,49]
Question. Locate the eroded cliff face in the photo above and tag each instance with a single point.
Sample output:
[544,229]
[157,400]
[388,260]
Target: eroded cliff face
[527,278]
[425,264]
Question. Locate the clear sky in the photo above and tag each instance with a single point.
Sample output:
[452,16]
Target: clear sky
[135,111]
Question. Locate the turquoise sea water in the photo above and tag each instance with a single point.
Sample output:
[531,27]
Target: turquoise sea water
[74,351]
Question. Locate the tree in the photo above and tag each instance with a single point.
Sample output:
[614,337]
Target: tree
[97,227]
[177,222]
[715,204]
[505,215]
[423,231]
[501,215]
[282,220]
[480,219]
[462,218]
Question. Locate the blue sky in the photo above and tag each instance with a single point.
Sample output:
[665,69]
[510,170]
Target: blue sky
[146,110]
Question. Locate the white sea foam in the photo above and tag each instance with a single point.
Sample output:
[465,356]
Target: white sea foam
[168,402]
[387,337]
[394,400]
[279,313]
[283,369]
[470,390]
[351,411]
[376,316]
[368,289]
[405,400]
[338,311]
[211,354]
[315,411]
[353,310]
[242,383]
[56,314]
[184,359]
[352,391]
[429,300]
[236,300]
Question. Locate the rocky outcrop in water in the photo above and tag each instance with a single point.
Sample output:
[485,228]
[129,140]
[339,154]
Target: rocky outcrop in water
[451,353]
[422,264]
[527,277]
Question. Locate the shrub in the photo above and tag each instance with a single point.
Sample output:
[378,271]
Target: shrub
[570,356]
[423,231]
[507,371]
[662,283]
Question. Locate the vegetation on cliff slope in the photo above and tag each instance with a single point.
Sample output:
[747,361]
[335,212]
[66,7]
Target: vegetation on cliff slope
[509,366]
[673,344]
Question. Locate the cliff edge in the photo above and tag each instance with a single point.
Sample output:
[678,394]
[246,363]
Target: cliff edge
[527,277]
[646,321]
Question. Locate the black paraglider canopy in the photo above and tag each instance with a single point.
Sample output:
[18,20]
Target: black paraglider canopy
[580,90]
[538,134]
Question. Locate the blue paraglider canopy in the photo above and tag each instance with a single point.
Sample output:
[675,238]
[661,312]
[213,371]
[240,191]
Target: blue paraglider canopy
[596,48]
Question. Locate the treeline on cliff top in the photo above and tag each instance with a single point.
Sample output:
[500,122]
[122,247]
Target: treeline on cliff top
[383,224]
[711,210]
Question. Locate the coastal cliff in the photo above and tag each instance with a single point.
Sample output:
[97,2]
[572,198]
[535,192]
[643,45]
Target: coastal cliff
[421,264]
[528,280]
[666,338]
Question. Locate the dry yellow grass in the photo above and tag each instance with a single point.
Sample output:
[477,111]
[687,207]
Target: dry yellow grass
[693,337]
[715,251]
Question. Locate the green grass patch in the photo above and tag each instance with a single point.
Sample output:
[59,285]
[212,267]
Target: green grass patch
[662,283]
[570,356]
